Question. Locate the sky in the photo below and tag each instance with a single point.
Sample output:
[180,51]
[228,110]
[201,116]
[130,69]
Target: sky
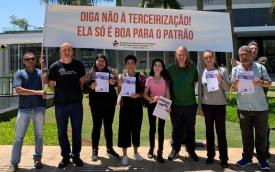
[32,10]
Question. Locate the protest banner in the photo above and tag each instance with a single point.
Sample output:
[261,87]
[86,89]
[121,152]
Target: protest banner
[141,29]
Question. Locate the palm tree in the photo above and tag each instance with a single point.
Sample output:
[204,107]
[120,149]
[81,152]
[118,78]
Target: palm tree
[74,2]
[273,8]
[118,3]
[200,5]
[173,4]
[229,56]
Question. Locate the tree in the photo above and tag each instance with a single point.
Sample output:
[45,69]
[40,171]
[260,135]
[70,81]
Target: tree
[273,8]
[21,23]
[173,4]
[74,2]
[229,56]
[118,3]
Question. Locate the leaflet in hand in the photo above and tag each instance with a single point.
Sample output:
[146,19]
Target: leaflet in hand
[162,107]
[245,84]
[128,87]
[102,82]
[212,81]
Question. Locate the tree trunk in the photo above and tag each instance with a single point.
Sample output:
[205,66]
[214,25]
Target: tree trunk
[229,56]
[118,3]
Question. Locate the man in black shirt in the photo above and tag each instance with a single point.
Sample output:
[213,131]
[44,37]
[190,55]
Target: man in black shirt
[66,78]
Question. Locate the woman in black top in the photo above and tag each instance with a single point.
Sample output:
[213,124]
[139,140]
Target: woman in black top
[131,111]
[102,106]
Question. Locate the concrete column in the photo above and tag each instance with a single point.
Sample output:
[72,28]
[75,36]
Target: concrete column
[2,61]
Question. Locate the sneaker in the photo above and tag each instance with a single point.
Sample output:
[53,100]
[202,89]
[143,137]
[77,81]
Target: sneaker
[13,167]
[95,155]
[209,161]
[124,160]
[111,153]
[193,155]
[243,162]
[78,162]
[150,153]
[173,154]
[64,162]
[264,165]
[224,164]
[137,157]
[38,164]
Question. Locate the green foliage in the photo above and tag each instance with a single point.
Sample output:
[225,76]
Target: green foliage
[73,2]
[21,23]
[173,4]
[50,129]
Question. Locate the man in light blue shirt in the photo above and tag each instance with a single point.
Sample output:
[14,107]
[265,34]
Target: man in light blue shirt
[252,109]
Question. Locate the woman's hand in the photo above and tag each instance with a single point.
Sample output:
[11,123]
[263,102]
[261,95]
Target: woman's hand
[93,86]
[134,96]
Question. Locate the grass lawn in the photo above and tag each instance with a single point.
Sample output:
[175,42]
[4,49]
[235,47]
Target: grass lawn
[233,131]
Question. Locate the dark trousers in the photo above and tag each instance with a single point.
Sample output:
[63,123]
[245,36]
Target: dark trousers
[250,120]
[183,119]
[215,114]
[103,115]
[62,115]
[130,120]
[152,129]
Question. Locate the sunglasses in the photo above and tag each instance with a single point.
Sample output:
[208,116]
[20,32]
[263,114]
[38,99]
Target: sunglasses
[29,59]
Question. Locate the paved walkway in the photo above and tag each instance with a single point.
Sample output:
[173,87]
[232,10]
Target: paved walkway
[52,157]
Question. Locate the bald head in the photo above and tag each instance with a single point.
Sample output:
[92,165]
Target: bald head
[66,51]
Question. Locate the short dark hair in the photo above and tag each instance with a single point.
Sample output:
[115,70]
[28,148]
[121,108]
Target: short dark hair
[130,57]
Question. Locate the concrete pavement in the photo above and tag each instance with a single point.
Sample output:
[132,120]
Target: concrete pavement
[51,158]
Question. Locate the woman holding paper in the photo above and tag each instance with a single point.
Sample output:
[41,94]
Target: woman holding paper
[213,83]
[131,87]
[156,86]
[100,83]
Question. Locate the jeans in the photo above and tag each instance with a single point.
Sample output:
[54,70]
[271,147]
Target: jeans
[62,114]
[250,121]
[22,122]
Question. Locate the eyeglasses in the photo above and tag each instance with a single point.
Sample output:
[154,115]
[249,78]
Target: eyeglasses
[29,59]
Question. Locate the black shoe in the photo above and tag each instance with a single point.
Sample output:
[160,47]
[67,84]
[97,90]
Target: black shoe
[173,154]
[151,153]
[38,164]
[95,155]
[159,157]
[193,155]
[78,162]
[111,152]
[267,154]
[209,161]
[224,164]
[64,162]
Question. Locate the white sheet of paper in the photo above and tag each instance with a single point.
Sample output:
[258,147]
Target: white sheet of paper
[102,82]
[128,87]
[162,107]
[212,81]
[245,84]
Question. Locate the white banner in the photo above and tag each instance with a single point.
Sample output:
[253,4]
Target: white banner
[141,29]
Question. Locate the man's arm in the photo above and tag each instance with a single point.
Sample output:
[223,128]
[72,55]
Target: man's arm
[81,81]
[51,85]
[27,92]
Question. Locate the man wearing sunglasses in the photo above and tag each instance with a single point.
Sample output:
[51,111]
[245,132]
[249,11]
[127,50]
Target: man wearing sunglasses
[28,85]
